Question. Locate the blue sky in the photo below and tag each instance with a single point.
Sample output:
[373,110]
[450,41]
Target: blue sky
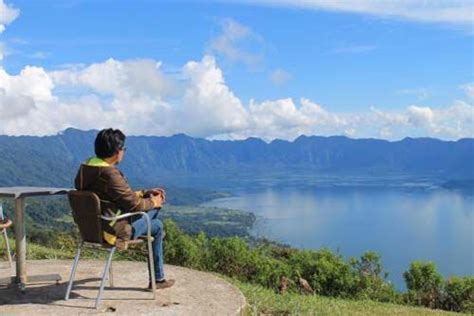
[362,68]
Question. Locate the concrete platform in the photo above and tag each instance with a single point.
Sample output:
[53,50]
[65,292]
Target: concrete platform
[194,293]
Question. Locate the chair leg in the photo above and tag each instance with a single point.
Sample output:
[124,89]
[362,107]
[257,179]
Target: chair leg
[7,247]
[73,271]
[152,268]
[104,276]
[111,275]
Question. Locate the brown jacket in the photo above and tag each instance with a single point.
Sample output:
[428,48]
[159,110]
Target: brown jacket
[116,196]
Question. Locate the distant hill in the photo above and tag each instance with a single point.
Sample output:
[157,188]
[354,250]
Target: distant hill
[53,160]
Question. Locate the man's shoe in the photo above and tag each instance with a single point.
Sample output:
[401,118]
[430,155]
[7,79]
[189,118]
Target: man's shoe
[162,284]
[5,223]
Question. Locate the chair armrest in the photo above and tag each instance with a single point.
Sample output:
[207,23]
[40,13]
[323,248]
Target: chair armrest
[143,214]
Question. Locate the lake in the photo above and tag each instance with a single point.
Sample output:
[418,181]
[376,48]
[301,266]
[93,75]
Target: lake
[402,224]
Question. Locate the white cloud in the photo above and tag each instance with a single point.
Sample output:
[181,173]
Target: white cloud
[38,55]
[2,51]
[279,76]
[469,90]
[286,119]
[420,93]
[139,98]
[230,43]
[32,82]
[276,113]
[14,106]
[323,117]
[136,95]
[451,122]
[28,106]
[121,79]
[444,11]
[420,116]
[385,133]
[388,118]
[127,94]
[7,15]
[134,90]
[209,106]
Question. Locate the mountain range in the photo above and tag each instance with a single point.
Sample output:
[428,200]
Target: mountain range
[53,160]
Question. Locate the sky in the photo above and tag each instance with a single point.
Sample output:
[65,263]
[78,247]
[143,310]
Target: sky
[236,69]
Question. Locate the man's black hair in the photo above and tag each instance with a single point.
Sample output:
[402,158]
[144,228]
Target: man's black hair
[108,142]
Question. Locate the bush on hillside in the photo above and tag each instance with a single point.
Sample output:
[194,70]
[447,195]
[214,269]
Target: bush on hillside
[459,294]
[267,263]
[326,272]
[424,284]
[182,249]
[371,281]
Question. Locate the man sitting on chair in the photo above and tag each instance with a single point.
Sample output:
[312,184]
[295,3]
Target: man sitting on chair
[100,175]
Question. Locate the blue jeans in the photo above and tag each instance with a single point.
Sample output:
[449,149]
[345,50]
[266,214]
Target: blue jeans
[139,228]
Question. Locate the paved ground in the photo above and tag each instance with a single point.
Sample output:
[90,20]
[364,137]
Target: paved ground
[194,293]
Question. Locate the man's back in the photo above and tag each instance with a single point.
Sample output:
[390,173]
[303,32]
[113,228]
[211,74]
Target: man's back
[116,196]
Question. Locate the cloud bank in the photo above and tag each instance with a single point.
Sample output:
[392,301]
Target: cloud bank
[138,97]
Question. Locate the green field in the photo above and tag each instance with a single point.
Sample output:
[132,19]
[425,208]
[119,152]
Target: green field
[263,301]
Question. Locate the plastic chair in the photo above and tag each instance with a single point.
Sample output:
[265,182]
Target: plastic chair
[87,215]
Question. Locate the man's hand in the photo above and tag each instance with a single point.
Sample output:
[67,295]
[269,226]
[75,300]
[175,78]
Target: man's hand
[159,192]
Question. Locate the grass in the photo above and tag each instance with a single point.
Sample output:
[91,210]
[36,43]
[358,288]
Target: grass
[38,252]
[34,251]
[263,301]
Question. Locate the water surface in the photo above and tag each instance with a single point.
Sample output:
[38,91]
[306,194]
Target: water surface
[402,224]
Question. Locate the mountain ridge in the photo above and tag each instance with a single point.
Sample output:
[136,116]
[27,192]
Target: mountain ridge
[53,160]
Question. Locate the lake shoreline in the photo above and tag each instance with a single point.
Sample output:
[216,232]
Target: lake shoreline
[359,230]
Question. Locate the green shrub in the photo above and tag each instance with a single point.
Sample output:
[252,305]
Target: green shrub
[424,284]
[265,270]
[327,273]
[370,279]
[230,256]
[459,294]
[181,249]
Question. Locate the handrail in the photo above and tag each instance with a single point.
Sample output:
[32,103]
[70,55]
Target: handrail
[144,214]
